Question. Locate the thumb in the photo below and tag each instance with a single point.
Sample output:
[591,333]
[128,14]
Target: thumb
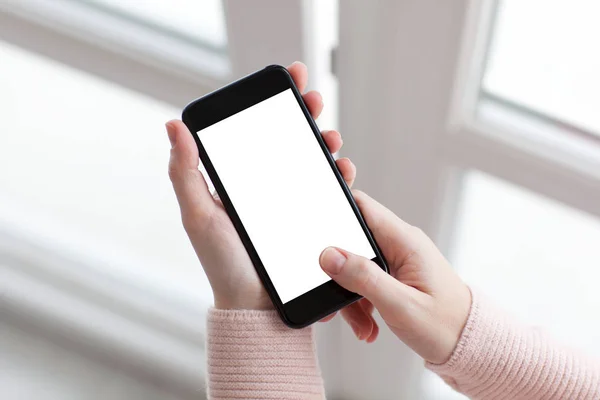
[361,275]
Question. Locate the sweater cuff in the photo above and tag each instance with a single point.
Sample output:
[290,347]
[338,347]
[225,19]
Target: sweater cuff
[252,354]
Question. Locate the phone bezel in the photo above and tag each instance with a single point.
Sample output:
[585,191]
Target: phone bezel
[229,100]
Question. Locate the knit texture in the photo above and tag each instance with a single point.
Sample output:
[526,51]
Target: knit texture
[497,358]
[253,355]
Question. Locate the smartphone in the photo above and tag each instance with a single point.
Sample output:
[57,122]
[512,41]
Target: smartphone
[282,190]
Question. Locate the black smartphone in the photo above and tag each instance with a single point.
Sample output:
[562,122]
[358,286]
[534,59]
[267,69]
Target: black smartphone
[282,190]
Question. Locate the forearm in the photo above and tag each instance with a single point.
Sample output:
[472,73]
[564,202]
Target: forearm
[497,358]
[252,354]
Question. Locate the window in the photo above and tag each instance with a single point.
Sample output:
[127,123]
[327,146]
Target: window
[196,20]
[543,58]
[540,89]
[545,253]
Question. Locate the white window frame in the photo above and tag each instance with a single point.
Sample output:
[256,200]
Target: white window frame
[409,82]
[165,68]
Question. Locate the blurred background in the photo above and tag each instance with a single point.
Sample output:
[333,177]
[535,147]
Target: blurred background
[478,121]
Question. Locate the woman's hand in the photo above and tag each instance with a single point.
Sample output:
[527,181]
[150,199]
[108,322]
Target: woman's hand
[230,271]
[423,301]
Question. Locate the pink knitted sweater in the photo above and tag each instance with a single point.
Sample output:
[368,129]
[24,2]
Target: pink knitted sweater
[252,355]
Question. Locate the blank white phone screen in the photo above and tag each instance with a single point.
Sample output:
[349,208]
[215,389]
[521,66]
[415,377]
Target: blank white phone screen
[284,191]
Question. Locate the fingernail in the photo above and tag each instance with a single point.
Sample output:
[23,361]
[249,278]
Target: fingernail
[332,260]
[356,330]
[171,133]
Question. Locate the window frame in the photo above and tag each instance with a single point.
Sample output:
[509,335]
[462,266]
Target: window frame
[407,116]
[166,68]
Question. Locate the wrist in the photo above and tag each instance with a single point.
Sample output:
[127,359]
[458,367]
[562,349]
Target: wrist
[457,319]
[241,302]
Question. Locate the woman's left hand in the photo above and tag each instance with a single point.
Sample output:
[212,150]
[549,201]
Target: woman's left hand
[230,271]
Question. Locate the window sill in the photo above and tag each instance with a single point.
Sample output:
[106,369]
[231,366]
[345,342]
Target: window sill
[550,140]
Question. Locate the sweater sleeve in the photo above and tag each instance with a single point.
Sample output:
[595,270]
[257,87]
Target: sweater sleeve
[497,358]
[253,355]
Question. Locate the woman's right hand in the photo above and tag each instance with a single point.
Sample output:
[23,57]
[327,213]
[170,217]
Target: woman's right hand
[422,300]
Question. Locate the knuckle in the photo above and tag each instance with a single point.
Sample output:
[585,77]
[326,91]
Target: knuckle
[190,224]
[178,174]
[418,232]
[367,280]
[195,222]
[173,171]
